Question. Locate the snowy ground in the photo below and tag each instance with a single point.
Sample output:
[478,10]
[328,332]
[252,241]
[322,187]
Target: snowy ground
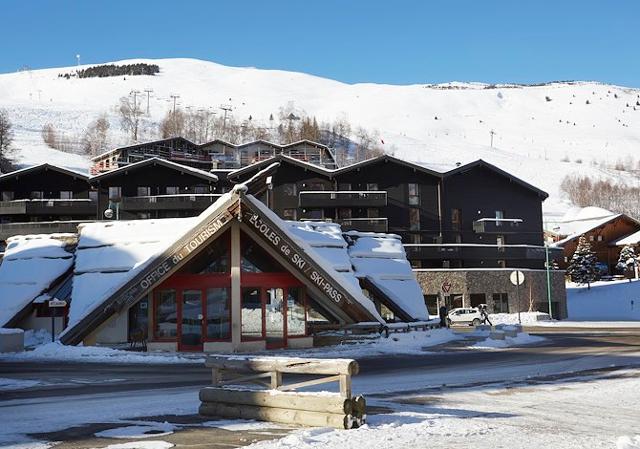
[598,412]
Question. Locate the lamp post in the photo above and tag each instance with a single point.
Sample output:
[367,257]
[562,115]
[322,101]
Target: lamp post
[546,251]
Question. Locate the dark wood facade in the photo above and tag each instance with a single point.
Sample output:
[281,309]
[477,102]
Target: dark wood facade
[602,239]
[155,188]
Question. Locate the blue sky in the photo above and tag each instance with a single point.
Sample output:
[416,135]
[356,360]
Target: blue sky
[393,41]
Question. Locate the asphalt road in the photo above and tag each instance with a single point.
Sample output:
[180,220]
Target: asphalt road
[571,352]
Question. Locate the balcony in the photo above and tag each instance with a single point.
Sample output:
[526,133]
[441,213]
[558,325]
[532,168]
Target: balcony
[351,198]
[473,251]
[363,224]
[39,227]
[48,207]
[497,225]
[168,202]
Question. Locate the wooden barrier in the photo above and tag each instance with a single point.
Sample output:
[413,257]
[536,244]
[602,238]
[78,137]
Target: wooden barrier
[281,402]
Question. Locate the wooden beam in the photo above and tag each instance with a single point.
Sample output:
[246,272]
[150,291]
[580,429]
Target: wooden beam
[284,365]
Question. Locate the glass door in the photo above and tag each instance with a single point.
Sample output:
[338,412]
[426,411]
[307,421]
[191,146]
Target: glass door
[191,321]
[275,314]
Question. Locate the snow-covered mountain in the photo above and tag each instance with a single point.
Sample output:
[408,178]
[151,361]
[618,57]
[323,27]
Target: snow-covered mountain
[541,133]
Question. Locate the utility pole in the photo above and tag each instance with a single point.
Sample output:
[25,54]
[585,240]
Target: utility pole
[226,108]
[174,97]
[148,90]
[492,133]
[135,98]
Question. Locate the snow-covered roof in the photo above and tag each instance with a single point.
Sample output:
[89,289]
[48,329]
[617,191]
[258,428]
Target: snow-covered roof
[153,161]
[30,266]
[44,166]
[111,253]
[631,239]
[584,222]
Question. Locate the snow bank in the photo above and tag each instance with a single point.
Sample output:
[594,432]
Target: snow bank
[58,352]
[520,340]
[512,318]
[30,265]
[628,442]
[615,300]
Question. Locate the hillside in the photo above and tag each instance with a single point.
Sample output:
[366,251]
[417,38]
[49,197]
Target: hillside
[537,128]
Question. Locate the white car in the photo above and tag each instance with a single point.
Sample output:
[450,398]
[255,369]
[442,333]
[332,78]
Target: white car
[464,315]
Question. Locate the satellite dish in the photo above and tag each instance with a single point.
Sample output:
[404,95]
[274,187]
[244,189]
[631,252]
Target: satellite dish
[108,213]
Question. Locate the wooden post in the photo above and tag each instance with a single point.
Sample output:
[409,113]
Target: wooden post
[236,299]
[276,379]
[216,376]
[345,385]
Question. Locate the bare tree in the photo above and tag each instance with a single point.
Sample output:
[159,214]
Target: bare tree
[173,124]
[95,138]
[130,116]
[6,139]
[49,135]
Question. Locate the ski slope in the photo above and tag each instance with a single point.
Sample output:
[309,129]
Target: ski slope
[536,128]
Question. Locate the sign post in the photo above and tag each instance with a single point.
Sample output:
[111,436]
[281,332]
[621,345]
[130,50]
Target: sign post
[517,278]
[445,288]
[55,304]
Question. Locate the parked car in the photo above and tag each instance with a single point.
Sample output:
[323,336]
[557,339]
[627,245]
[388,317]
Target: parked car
[465,315]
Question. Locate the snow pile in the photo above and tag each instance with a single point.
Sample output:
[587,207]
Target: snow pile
[521,339]
[628,442]
[36,337]
[30,265]
[58,352]
[381,259]
[17,384]
[612,300]
[512,318]
[110,253]
[150,430]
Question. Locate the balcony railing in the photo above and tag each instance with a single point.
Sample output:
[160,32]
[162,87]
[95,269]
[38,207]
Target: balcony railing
[349,198]
[39,227]
[473,251]
[364,224]
[497,225]
[56,206]
[168,202]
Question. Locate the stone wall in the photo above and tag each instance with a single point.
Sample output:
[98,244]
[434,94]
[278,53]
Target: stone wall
[532,293]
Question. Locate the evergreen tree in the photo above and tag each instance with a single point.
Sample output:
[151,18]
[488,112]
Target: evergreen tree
[627,258]
[582,268]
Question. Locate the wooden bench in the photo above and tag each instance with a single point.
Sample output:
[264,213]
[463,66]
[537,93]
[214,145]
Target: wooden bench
[280,401]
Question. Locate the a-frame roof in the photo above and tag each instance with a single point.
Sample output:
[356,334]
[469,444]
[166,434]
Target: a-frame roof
[280,158]
[499,171]
[338,297]
[387,159]
[210,177]
[145,144]
[44,167]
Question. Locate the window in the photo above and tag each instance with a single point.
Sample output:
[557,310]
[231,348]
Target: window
[218,314]
[144,191]
[289,189]
[499,216]
[289,214]
[414,219]
[414,195]
[372,186]
[344,186]
[314,214]
[500,241]
[456,219]
[36,195]
[7,196]
[344,213]
[201,190]
[458,238]
[172,190]
[165,315]
[373,212]
[599,238]
[500,303]
[115,193]
[318,186]
[386,314]
[93,195]
[212,259]
[431,301]
[502,264]
[296,313]
[257,260]
[477,299]
[252,314]
[66,195]
[591,238]
[143,215]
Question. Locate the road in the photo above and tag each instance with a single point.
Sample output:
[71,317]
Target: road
[453,363]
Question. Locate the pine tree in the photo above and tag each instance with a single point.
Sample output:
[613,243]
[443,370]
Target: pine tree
[582,268]
[627,258]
